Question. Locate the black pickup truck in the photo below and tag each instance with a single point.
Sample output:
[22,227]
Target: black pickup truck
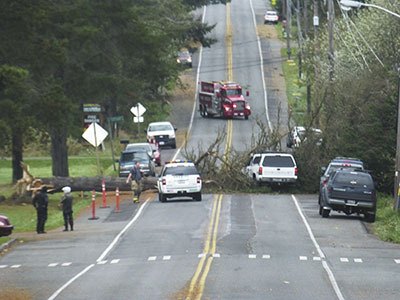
[349,192]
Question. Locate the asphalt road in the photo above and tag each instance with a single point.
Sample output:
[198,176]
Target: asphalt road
[245,246]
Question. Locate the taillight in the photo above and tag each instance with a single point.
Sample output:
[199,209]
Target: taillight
[260,169]
[198,179]
[164,181]
[295,171]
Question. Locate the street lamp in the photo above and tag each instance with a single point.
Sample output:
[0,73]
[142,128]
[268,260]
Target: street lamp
[347,5]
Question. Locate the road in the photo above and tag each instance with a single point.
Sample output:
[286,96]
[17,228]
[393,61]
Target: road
[242,246]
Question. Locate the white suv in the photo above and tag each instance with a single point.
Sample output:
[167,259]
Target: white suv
[162,133]
[274,168]
[179,179]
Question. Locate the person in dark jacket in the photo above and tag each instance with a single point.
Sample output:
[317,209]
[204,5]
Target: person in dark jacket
[66,203]
[136,185]
[40,202]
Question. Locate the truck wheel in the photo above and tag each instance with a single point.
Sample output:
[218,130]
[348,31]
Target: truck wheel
[325,212]
[161,197]
[197,197]
[369,217]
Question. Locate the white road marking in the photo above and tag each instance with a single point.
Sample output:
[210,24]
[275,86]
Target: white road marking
[66,264]
[358,260]
[3,266]
[216,255]
[317,258]
[303,257]
[266,256]
[397,261]
[104,254]
[344,259]
[201,255]
[321,254]
[152,258]
[166,257]
[53,265]
[114,261]
[103,262]
[15,266]
[252,256]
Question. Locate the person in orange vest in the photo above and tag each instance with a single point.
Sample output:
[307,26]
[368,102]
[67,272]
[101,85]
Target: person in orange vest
[136,176]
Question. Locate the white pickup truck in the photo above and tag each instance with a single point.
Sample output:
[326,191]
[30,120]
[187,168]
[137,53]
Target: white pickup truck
[273,168]
[271,16]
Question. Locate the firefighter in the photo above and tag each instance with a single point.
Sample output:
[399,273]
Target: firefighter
[40,202]
[66,204]
[136,176]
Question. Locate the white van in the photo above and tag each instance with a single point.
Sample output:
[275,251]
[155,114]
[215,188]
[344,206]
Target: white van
[274,167]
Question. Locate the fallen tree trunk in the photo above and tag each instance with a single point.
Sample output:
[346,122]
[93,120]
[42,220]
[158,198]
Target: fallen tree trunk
[95,183]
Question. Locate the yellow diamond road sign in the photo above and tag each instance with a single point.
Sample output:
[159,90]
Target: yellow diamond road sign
[95,134]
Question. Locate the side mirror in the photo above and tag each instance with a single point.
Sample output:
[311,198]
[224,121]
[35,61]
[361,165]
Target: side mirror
[175,128]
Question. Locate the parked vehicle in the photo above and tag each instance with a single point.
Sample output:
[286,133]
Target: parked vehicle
[130,157]
[342,163]
[151,148]
[271,17]
[349,192]
[6,227]
[184,58]
[273,168]
[162,133]
[299,134]
[222,99]
[179,179]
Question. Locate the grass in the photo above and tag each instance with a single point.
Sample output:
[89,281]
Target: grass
[387,225]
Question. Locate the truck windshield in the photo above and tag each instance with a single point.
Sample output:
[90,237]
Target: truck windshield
[234,92]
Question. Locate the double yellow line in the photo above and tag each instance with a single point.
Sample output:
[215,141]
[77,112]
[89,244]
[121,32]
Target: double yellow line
[196,287]
[198,281]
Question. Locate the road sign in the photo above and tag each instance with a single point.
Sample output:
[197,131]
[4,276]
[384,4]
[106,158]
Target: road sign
[138,110]
[138,119]
[95,134]
[116,119]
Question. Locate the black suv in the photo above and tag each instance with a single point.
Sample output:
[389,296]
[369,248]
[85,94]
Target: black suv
[339,163]
[349,192]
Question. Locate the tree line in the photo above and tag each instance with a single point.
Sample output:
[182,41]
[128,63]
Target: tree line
[57,55]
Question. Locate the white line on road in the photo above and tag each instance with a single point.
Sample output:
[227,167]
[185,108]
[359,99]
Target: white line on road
[114,261]
[303,257]
[266,256]
[70,281]
[166,257]
[344,259]
[152,258]
[321,254]
[104,254]
[397,261]
[358,260]
[252,256]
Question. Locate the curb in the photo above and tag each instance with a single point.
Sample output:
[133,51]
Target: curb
[7,245]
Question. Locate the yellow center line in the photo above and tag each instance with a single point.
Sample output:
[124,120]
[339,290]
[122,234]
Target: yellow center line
[197,283]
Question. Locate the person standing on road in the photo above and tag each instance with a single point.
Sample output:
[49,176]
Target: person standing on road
[136,176]
[66,204]
[40,201]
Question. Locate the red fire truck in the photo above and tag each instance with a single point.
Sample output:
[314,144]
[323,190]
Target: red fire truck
[222,99]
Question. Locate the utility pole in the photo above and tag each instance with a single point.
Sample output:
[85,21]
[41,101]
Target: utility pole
[316,47]
[397,170]
[331,54]
[288,22]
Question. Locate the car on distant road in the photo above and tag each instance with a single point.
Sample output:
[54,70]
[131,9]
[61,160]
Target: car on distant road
[130,157]
[179,179]
[184,58]
[271,17]
[6,227]
[151,148]
[349,192]
[272,168]
[299,134]
[162,133]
